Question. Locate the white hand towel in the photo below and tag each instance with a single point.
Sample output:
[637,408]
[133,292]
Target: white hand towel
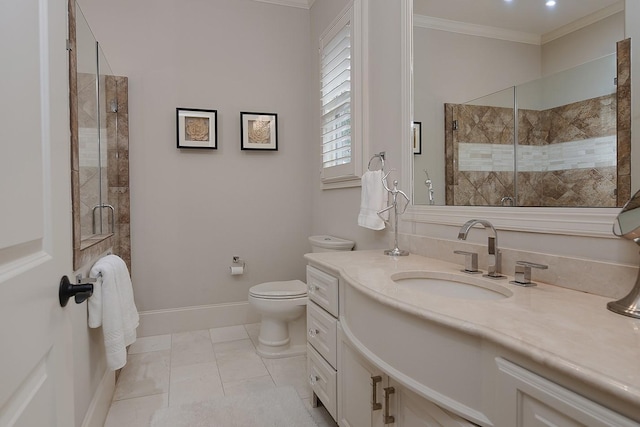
[373,199]
[112,307]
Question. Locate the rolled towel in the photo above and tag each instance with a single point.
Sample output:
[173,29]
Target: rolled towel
[373,199]
[112,307]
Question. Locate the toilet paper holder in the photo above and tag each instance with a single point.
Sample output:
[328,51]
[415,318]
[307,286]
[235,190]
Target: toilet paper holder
[237,268]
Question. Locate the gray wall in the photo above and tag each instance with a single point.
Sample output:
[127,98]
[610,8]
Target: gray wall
[191,211]
[336,211]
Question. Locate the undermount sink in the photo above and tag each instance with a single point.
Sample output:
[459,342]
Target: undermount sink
[451,285]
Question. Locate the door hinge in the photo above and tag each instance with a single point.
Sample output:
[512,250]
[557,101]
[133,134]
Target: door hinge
[455,125]
[69,45]
[615,81]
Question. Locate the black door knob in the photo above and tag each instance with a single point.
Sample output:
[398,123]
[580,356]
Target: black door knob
[68,290]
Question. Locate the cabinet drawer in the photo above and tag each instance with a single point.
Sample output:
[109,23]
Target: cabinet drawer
[323,289]
[321,332]
[323,380]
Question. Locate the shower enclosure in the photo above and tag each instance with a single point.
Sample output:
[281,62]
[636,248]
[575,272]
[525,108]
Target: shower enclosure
[100,147]
[550,142]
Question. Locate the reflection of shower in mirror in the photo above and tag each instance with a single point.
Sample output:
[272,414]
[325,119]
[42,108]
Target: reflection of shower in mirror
[429,185]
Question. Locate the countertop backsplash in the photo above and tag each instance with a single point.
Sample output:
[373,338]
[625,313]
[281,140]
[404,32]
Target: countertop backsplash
[595,277]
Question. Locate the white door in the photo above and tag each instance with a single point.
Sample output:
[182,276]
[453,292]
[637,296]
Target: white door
[36,376]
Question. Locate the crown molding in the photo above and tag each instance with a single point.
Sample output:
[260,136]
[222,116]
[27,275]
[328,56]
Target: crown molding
[302,4]
[475,30]
[512,35]
[583,22]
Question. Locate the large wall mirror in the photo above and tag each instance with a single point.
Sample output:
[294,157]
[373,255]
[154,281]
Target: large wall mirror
[517,106]
[99,147]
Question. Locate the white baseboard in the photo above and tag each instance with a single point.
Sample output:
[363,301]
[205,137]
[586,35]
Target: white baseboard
[99,407]
[160,322]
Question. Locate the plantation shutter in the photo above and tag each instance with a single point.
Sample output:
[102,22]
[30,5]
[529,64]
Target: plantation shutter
[335,79]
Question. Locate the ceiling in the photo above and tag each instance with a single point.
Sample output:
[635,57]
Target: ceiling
[529,16]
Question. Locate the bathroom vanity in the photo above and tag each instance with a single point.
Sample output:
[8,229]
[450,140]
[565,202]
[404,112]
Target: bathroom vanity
[391,351]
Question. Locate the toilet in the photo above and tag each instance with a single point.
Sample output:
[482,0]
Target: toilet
[281,306]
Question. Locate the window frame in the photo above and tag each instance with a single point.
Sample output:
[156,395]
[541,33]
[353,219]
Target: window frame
[349,174]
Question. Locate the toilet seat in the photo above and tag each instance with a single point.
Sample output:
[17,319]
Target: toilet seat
[279,290]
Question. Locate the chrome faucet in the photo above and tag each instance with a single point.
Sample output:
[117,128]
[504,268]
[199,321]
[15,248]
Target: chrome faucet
[495,258]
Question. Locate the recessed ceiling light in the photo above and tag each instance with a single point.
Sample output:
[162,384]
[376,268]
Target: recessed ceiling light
[551,3]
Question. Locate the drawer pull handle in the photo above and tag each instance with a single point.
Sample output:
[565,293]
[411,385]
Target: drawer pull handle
[312,288]
[388,419]
[375,405]
[313,332]
[313,379]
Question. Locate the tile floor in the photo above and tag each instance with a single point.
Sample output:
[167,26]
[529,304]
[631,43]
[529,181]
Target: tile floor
[188,367]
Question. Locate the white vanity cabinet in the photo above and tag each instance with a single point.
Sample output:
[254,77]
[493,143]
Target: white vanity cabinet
[377,360]
[322,313]
[414,411]
[360,386]
[530,400]
[367,397]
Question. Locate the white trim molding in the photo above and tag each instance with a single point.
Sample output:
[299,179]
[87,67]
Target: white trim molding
[592,222]
[160,322]
[99,407]
[583,22]
[475,30]
[459,27]
[302,4]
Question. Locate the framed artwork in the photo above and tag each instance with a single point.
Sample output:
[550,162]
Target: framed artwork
[258,131]
[416,137]
[197,128]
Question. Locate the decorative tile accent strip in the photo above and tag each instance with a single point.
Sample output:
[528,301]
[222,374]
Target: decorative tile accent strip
[587,153]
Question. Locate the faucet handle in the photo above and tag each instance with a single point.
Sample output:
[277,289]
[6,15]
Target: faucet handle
[523,273]
[470,262]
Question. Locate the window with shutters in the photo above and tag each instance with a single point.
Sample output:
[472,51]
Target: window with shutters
[341,110]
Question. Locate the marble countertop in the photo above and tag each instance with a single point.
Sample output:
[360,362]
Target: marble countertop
[564,329]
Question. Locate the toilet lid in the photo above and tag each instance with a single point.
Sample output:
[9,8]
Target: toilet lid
[279,290]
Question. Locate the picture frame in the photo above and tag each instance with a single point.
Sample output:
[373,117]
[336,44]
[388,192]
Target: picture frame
[197,128]
[258,131]
[416,137]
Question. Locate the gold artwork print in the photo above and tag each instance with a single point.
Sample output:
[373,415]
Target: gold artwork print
[259,131]
[196,128]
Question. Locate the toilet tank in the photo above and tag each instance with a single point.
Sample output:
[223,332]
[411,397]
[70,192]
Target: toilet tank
[330,244]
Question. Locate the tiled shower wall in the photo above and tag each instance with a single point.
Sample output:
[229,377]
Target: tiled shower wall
[92,175]
[117,98]
[586,175]
[114,178]
[567,156]
[492,129]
